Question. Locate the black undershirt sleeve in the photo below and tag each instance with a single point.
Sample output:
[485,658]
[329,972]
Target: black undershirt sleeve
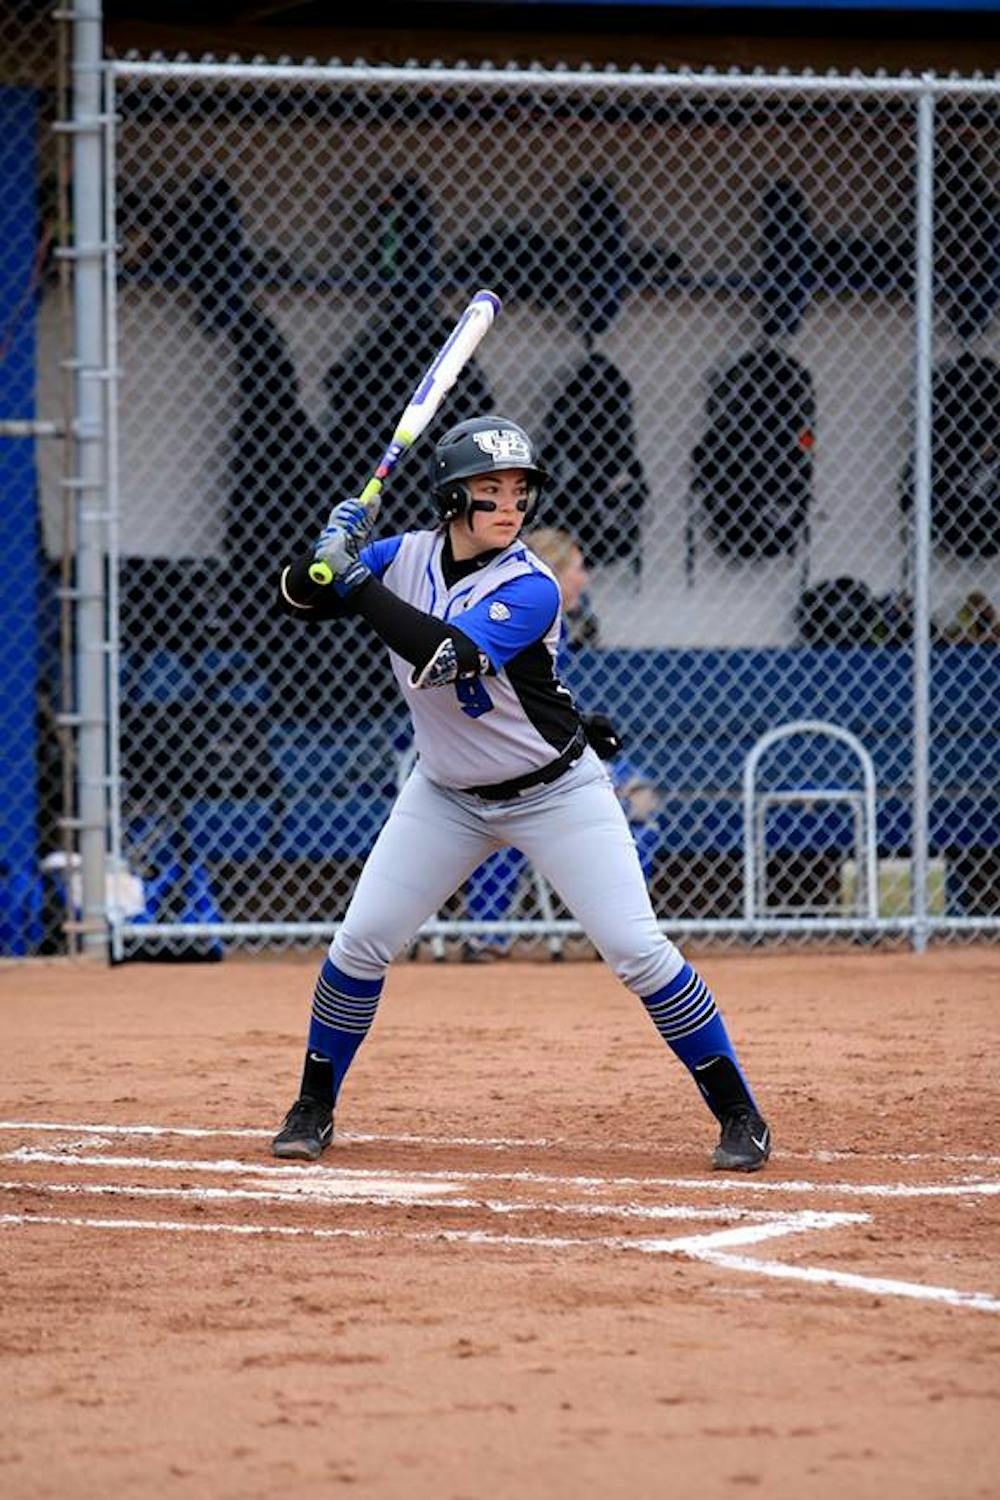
[409,632]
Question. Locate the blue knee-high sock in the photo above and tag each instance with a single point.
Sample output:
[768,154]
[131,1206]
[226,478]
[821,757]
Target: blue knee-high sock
[685,1014]
[343,1010]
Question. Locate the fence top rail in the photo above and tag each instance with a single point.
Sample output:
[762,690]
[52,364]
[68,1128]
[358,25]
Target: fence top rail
[489,76]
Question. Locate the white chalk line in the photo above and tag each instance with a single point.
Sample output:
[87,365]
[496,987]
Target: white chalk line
[746,1234]
[689,1246]
[976,1187]
[375,1194]
[196,1132]
[295,1231]
[877,1286]
[705,1248]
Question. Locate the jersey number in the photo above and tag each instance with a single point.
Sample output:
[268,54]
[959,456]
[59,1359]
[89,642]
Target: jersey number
[474,698]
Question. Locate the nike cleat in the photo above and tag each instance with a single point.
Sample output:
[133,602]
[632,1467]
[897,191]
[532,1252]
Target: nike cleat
[745,1142]
[307,1131]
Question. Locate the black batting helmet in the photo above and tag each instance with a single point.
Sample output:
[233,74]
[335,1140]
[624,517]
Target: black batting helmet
[480,445]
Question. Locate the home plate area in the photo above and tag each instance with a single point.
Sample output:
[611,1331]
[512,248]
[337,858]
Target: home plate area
[881,1226]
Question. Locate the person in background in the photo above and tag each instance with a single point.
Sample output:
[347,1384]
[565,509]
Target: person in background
[641,801]
[976,622]
[565,557]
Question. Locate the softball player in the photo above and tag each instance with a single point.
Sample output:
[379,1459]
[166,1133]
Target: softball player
[471,618]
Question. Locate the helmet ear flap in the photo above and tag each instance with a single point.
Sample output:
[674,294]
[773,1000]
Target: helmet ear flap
[452,501]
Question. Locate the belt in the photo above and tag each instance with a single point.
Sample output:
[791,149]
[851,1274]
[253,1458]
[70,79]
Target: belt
[501,790]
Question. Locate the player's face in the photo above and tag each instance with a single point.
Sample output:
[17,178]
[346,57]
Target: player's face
[480,530]
[573,579]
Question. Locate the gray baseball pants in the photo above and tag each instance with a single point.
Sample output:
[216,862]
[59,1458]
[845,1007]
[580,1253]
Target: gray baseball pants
[573,831]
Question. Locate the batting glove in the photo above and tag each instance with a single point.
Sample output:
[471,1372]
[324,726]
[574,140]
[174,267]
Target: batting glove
[351,578]
[348,528]
[341,555]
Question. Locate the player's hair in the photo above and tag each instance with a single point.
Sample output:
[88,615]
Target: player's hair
[553,546]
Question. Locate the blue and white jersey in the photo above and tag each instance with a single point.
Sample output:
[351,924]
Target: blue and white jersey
[517,717]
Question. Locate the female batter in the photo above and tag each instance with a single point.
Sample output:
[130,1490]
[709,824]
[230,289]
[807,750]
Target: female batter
[471,619]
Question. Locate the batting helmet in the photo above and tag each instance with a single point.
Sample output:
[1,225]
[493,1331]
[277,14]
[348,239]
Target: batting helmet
[480,445]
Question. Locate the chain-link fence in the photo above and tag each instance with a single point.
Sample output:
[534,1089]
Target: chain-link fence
[723,302]
[36,797]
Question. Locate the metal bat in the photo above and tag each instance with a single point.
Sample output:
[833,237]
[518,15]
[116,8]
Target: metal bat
[434,385]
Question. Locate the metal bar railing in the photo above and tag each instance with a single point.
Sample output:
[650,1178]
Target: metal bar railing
[923,362]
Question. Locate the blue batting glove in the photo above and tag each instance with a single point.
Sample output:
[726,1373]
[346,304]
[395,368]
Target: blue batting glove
[341,555]
[348,528]
[351,578]
[353,517]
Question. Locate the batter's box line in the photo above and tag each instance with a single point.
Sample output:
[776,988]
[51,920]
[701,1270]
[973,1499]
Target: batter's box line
[705,1249]
[765,1226]
[716,1184]
[801,1222]
[204,1132]
[387,1192]
[321,1179]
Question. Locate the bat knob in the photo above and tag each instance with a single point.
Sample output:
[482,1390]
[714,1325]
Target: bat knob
[320,572]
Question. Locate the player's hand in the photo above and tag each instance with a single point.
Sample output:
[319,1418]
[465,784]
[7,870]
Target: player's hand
[602,735]
[344,561]
[347,529]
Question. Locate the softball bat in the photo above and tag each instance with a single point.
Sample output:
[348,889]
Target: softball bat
[434,385]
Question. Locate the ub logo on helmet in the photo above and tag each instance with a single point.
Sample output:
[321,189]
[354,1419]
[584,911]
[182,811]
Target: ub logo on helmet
[504,443]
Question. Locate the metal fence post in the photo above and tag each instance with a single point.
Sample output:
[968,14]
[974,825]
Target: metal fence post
[923,358]
[88,254]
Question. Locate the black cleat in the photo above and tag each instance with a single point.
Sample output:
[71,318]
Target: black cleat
[307,1131]
[745,1142]
[482,953]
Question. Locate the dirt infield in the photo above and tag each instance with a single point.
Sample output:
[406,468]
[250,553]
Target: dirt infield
[513,1274]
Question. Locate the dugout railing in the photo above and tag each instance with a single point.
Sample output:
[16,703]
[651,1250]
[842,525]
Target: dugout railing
[254,245]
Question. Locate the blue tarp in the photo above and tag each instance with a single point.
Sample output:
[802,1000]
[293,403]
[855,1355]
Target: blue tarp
[20,888]
[688,717]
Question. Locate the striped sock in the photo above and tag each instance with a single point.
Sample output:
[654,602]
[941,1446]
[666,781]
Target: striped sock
[343,1010]
[685,1014]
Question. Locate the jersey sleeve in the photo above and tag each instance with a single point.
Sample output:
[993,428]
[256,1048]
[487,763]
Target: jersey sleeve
[379,554]
[514,616]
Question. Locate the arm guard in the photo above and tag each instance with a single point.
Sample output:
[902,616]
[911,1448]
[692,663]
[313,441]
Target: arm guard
[457,657]
[414,635]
